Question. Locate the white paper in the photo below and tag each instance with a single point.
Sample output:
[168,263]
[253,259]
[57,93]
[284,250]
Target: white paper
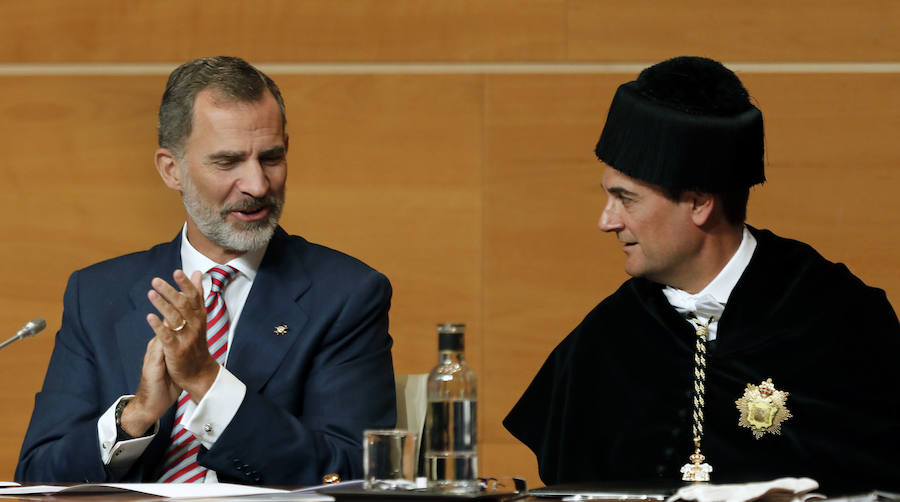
[168,490]
[8,483]
[778,490]
[31,490]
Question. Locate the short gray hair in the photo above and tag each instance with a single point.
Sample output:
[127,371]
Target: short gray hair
[233,77]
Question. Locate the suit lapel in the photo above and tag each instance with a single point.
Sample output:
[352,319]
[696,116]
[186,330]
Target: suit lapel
[132,331]
[257,350]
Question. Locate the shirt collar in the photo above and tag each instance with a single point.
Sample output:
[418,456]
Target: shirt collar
[191,259]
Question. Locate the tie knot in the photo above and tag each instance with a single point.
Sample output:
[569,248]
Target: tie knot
[707,306]
[221,276]
[689,305]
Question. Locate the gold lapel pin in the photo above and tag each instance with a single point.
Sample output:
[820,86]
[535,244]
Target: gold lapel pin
[281,329]
[763,408]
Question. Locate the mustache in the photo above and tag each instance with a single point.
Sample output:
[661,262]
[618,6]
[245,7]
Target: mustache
[252,203]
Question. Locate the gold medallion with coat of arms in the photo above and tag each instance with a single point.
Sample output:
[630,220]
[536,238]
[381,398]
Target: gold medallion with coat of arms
[763,408]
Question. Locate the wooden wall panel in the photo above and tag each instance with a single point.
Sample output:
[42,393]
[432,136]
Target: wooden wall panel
[833,174]
[477,195]
[283,30]
[768,30]
[388,169]
[447,30]
[79,187]
[546,264]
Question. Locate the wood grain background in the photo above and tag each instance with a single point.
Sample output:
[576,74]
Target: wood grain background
[425,146]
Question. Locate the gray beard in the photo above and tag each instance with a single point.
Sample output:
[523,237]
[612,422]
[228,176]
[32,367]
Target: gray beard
[241,236]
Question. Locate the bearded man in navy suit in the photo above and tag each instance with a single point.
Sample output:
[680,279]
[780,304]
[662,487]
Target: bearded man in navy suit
[303,365]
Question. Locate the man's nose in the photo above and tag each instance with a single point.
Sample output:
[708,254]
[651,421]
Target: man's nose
[609,220]
[254,181]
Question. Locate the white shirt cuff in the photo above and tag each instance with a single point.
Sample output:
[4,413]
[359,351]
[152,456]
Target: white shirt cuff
[214,412]
[119,455]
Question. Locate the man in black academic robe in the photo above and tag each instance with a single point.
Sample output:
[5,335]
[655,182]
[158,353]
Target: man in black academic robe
[630,394]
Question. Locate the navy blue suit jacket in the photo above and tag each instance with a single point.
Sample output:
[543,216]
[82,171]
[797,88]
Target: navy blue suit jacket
[310,392]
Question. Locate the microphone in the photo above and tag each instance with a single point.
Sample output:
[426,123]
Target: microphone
[31,328]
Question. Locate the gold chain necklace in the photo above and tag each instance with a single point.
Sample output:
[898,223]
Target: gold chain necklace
[697,469]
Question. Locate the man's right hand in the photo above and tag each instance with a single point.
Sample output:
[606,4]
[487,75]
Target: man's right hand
[155,394]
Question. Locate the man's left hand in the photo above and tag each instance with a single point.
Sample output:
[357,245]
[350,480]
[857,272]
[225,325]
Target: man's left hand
[182,331]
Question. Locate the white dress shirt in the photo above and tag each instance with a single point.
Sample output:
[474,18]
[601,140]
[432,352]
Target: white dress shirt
[207,419]
[711,300]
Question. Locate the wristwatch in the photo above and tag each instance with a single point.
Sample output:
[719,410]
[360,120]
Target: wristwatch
[121,435]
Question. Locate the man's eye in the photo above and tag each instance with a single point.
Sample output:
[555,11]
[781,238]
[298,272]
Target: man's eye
[273,161]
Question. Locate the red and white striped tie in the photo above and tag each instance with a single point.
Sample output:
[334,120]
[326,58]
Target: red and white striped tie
[181,457]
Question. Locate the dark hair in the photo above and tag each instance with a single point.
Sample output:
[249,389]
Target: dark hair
[233,77]
[732,202]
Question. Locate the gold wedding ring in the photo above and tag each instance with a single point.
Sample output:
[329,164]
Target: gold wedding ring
[181,326]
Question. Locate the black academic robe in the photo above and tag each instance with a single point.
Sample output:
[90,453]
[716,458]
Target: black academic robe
[613,401]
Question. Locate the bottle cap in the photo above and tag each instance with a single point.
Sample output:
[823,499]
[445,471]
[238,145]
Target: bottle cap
[450,336]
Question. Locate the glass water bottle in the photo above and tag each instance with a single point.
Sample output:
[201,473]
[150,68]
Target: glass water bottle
[451,423]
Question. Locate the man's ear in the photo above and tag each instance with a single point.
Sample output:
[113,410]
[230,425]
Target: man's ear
[702,205]
[167,166]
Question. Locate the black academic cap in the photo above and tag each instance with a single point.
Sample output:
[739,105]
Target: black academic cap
[685,124]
